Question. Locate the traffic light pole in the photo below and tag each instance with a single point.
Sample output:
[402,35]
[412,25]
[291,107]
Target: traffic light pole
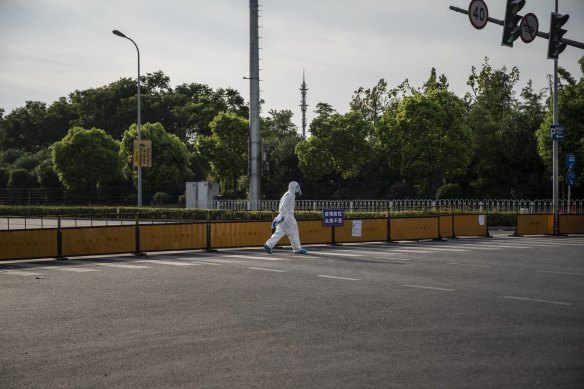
[540,34]
[555,180]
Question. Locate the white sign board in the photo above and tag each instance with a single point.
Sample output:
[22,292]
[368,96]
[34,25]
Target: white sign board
[356,229]
[529,27]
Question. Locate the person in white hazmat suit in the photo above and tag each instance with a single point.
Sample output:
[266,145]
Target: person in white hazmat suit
[285,223]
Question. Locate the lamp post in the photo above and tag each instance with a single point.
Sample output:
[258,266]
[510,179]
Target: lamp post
[118,33]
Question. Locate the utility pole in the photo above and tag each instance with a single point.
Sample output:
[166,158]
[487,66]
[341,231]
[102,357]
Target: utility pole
[254,107]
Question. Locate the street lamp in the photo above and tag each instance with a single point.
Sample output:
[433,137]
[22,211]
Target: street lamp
[118,33]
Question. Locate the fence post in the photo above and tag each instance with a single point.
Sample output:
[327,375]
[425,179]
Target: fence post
[60,240]
[208,229]
[138,253]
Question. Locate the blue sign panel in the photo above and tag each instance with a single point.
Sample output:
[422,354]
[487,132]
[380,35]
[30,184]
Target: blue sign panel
[571,161]
[571,178]
[333,217]
[556,133]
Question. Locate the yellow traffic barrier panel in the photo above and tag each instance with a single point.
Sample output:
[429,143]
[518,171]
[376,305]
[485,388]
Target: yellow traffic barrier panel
[446,226]
[312,232]
[540,224]
[160,237]
[240,234]
[28,244]
[414,228]
[98,240]
[368,230]
[571,224]
[471,225]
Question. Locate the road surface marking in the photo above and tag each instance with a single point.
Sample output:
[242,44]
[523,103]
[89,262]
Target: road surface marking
[339,278]
[171,263]
[20,273]
[560,272]
[536,300]
[409,251]
[262,258]
[264,269]
[337,254]
[466,264]
[208,263]
[429,287]
[123,266]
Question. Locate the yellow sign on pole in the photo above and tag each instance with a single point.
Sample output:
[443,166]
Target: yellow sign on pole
[143,153]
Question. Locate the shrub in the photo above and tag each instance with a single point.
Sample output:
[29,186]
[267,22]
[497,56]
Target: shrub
[449,191]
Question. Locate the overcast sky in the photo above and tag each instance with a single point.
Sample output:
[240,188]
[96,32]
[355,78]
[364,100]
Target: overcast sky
[49,48]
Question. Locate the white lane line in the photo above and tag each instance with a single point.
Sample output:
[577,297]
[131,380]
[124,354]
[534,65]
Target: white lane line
[171,263]
[262,258]
[393,258]
[339,278]
[208,263]
[122,266]
[74,269]
[467,264]
[338,254]
[536,300]
[20,273]
[221,261]
[429,287]
[442,249]
[408,251]
[270,270]
[560,272]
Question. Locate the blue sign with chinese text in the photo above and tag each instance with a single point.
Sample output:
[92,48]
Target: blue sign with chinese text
[333,217]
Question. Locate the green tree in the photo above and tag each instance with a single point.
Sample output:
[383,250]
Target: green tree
[170,158]
[493,120]
[428,139]
[571,117]
[86,159]
[338,145]
[226,149]
[22,178]
[279,139]
[24,127]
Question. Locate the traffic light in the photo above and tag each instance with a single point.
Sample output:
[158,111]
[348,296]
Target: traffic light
[511,29]
[555,44]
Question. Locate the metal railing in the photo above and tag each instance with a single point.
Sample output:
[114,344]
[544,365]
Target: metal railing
[465,205]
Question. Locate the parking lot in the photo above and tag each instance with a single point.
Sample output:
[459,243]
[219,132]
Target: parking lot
[473,312]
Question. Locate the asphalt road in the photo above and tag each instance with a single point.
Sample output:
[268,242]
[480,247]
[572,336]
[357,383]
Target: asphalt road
[503,312]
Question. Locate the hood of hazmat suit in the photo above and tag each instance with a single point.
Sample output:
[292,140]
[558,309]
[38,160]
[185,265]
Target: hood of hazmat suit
[294,187]
[287,202]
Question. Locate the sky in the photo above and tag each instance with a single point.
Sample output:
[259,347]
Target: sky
[50,48]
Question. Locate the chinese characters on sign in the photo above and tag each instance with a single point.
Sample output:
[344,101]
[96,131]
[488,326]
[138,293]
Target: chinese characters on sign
[143,153]
[333,217]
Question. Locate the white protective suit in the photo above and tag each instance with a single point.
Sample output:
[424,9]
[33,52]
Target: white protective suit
[285,222]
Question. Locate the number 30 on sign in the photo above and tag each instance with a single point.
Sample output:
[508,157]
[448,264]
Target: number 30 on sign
[478,13]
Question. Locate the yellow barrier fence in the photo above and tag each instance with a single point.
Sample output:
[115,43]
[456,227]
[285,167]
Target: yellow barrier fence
[471,225]
[167,237]
[414,228]
[446,226]
[571,224]
[240,234]
[367,230]
[540,224]
[28,244]
[98,240]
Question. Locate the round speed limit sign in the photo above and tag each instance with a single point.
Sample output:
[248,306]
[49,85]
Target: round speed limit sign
[478,13]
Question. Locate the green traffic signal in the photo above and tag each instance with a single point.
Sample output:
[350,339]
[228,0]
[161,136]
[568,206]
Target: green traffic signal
[555,44]
[511,28]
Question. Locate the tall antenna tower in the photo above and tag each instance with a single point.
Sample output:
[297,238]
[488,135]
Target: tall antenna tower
[303,105]
[254,107]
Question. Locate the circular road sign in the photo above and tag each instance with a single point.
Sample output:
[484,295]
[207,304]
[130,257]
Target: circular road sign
[571,161]
[529,27]
[571,178]
[478,13]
